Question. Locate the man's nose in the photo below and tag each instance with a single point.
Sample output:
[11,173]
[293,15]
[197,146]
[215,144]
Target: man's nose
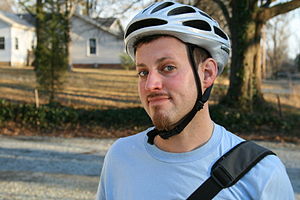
[154,81]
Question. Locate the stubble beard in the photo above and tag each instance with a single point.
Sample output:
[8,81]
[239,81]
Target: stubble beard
[161,120]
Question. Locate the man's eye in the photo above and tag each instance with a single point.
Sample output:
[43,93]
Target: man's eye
[143,73]
[168,68]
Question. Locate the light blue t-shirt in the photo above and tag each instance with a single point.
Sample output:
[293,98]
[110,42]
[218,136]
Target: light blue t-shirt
[136,170]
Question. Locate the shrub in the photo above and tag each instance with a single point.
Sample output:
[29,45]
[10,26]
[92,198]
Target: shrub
[254,121]
[54,116]
[126,61]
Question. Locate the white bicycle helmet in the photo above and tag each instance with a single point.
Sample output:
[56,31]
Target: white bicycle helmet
[187,23]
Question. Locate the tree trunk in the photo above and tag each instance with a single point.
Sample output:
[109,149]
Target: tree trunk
[245,75]
[242,29]
[245,25]
[68,20]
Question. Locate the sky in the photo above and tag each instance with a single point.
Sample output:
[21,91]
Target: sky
[294,29]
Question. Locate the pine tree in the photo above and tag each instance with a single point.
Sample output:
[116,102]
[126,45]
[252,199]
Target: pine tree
[51,54]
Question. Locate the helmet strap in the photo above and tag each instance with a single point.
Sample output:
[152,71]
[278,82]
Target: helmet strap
[201,100]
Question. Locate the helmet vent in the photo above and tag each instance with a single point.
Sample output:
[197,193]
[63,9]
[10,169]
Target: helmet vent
[143,24]
[181,10]
[220,33]
[199,24]
[162,6]
[148,7]
[206,15]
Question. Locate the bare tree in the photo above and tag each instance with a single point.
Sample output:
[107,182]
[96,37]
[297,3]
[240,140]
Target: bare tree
[7,5]
[277,43]
[245,20]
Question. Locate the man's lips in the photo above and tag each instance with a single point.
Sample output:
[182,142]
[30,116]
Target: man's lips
[156,98]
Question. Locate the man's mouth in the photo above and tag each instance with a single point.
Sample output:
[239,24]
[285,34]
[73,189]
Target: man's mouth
[154,99]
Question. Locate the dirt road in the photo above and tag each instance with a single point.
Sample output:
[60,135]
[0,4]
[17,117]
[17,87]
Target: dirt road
[35,168]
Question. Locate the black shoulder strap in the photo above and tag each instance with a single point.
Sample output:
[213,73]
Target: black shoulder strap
[230,168]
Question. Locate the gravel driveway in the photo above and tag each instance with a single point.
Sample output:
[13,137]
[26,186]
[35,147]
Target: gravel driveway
[38,168]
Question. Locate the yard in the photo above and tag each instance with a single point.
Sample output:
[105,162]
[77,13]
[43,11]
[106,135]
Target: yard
[112,88]
[84,88]
[109,89]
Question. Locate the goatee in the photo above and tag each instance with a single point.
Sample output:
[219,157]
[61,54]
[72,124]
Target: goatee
[161,121]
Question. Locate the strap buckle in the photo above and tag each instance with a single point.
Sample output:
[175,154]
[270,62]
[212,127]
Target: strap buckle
[220,175]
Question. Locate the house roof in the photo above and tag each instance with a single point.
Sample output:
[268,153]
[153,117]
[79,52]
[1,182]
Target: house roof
[14,20]
[107,22]
[104,27]
[29,18]
[28,21]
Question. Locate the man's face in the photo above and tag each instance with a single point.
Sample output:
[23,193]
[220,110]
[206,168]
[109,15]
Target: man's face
[166,82]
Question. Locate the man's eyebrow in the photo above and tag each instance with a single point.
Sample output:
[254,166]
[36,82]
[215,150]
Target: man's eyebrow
[162,59]
[156,62]
[140,65]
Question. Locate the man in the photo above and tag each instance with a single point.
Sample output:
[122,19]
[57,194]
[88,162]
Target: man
[179,51]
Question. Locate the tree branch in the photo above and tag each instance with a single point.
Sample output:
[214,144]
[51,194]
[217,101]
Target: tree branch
[252,4]
[224,10]
[267,4]
[268,13]
[123,10]
[197,3]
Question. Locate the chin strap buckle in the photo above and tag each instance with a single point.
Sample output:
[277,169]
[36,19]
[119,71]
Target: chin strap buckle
[166,134]
[163,134]
[151,135]
[199,105]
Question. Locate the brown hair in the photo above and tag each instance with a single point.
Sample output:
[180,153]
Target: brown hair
[200,54]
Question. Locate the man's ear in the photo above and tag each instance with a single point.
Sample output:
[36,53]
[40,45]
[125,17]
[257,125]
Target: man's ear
[210,72]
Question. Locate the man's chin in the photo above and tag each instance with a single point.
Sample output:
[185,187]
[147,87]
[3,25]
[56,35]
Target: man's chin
[161,123]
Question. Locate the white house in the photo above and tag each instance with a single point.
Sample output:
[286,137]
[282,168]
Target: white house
[17,38]
[94,42]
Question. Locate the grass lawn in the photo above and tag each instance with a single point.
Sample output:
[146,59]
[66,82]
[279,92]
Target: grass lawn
[113,89]
[84,88]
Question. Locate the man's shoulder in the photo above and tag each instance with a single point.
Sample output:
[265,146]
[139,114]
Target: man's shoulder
[227,139]
[267,168]
[266,176]
[270,165]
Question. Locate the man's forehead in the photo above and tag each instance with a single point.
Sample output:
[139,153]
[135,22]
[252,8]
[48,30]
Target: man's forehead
[150,38]
[161,48]
[161,42]
[157,61]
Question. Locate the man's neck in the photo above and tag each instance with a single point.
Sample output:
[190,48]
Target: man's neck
[196,134]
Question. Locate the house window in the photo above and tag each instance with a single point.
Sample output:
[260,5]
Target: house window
[92,46]
[2,43]
[16,43]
